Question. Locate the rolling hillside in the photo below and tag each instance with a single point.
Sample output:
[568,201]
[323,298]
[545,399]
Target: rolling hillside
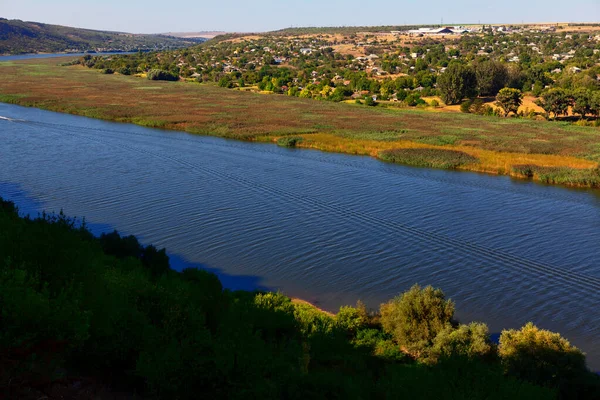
[17,37]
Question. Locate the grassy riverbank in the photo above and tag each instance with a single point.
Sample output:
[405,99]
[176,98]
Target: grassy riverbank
[552,152]
[86,316]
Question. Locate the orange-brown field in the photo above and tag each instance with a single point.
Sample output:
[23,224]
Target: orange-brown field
[499,144]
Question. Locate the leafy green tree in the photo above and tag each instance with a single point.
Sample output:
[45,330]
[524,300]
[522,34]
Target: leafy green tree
[471,341]
[541,357]
[582,102]
[595,103]
[555,101]
[416,317]
[509,100]
[491,77]
[457,82]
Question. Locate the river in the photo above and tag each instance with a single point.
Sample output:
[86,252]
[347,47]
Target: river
[328,228]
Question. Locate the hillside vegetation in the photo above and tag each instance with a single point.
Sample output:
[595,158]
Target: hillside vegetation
[84,314]
[18,37]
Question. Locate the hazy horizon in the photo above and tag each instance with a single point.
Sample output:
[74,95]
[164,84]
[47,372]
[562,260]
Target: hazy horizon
[151,16]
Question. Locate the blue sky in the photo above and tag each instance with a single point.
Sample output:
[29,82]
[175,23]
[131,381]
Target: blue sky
[152,16]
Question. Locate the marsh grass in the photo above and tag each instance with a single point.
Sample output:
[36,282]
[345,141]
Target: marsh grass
[559,175]
[289,141]
[432,158]
[498,143]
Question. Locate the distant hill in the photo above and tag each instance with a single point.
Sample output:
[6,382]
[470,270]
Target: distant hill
[202,34]
[18,37]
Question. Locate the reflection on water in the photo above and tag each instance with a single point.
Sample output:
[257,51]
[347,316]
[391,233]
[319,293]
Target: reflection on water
[326,227]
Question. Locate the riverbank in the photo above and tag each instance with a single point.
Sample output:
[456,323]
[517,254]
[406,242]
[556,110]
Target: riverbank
[550,152]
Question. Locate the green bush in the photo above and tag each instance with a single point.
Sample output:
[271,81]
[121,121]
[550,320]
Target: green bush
[465,106]
[471,341]
[541,357]
[416,317]
[289,141]
[161,75]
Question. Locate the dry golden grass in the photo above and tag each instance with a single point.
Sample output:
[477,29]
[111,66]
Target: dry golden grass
[499,143]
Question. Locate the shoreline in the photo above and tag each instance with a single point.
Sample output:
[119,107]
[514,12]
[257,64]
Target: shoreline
[557,167]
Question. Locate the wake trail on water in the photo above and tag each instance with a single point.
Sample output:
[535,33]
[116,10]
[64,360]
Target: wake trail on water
[414,173]
[556,275]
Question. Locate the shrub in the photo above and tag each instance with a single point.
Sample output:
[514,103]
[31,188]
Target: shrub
[351,319]
[108,71]
[541,357]
[434,103]
[416,317]
[471,341]
[465,106]
[432,158]
[289,141]
[370,102]
[161,75]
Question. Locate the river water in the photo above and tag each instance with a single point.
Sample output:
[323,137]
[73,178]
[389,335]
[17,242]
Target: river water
[328,228]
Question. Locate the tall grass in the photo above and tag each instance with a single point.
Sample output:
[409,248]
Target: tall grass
[432,158]
[559,175]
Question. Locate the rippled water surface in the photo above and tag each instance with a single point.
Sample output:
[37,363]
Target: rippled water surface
[329,228]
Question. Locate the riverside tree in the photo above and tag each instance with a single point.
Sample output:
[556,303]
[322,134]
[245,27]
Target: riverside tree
[509,100]
[416,317]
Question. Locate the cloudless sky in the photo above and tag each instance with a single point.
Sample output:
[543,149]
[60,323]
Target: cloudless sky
[155,16]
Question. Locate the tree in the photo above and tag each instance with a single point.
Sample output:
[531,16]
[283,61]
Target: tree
[509,100]
[471,341]
[416,317]
[456,83]
[540,356]
[491,77]
[556,101]
[595,103]
[582,102]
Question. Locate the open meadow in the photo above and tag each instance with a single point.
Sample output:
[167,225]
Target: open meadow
[553,152]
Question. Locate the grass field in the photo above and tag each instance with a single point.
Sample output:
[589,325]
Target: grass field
[498,144]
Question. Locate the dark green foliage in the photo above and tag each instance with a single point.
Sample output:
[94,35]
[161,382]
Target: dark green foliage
[509,100]
[370,102]
[416,317]
[107,308]
[456,83]
[470,341]
[160,75]
[555,101]
[491,77]
[289,141]
[456,378]
[547,359]
[465,106]
[434,158]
